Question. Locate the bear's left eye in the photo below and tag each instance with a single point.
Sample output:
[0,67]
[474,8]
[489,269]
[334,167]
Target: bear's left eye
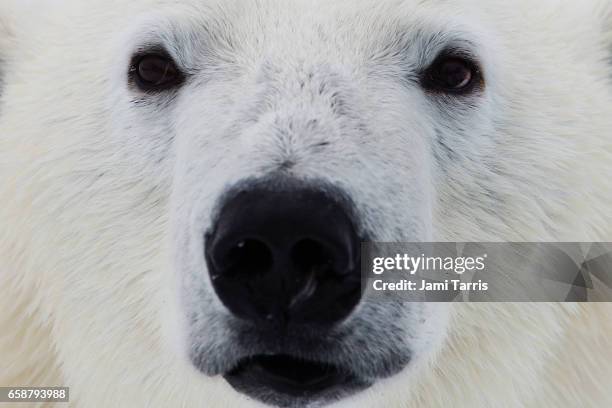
[155,72]
[452,75]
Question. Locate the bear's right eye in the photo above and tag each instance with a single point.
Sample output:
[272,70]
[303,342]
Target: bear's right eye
[155,72]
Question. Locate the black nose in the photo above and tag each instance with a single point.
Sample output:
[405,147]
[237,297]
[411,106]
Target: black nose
[281,254]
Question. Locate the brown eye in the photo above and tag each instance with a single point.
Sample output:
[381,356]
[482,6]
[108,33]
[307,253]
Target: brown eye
[452,75]
[156,72]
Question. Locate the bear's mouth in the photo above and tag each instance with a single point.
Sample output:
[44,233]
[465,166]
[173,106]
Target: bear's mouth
[279,378]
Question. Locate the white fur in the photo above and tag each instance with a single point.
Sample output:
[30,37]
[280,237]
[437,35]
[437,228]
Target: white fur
[104,202]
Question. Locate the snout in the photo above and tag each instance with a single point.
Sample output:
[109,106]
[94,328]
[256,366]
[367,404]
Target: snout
[284,259]
[285,253]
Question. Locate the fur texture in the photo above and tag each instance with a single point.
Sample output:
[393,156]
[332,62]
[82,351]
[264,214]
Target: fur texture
[106,192]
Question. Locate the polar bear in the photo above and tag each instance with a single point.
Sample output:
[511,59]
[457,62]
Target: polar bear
[152,150]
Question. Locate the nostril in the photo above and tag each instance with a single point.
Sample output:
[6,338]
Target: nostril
[311,257]
[248,256]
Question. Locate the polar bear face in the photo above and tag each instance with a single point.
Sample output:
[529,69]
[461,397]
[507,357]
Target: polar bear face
[207,126]
[247,112]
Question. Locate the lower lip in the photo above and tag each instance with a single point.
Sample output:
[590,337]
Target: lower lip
[289,376]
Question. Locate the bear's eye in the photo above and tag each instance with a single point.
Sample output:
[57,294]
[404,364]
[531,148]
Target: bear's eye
[155,72]
[452,75]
